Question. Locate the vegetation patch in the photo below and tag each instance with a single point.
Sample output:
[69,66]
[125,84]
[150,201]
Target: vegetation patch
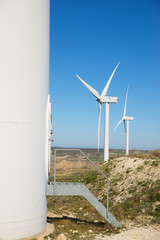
[90,176]
[140,203]
[154,154]
[140,168]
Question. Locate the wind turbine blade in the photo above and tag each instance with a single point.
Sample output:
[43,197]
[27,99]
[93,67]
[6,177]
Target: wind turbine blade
[108,83]
[118,124]
[92,90]
[124,114]
[99,123]
[124,125]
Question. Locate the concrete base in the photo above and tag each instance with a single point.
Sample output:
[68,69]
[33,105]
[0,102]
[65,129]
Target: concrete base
[49,230]
[21,230]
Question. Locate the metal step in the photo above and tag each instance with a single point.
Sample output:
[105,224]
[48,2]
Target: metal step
[79,189]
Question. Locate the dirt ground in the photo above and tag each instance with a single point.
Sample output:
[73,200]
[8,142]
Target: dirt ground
[137,233]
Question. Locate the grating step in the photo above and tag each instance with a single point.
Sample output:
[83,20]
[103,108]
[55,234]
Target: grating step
[79,189]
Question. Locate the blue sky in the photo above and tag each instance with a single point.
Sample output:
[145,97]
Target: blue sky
[88,38]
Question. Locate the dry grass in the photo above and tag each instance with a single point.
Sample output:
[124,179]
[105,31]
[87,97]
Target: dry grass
[154,154]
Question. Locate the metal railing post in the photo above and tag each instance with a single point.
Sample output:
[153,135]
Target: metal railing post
[107,198]
[54,165]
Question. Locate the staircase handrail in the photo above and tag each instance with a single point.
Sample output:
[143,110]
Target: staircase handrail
[77,149]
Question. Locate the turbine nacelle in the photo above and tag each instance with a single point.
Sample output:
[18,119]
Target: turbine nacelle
[128,118]
[109,100]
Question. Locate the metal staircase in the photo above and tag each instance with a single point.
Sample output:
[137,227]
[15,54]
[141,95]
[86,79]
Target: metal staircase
[79,189]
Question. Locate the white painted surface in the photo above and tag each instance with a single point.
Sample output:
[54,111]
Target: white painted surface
[109,99]
[24,85]
[48,137]
[127,137]
[106,133]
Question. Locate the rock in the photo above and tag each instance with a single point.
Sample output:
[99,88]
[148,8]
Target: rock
[75,231]
[71,216]
[61,237]
[85,214]
[90,231]
[53,215]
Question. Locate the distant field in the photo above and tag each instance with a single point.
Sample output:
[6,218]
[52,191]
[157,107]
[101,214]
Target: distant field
[70,164]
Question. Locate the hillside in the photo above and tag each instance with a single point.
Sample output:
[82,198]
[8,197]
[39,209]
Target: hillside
[134,194]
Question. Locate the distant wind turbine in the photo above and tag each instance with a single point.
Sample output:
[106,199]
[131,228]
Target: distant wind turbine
[103,99]
[125,119]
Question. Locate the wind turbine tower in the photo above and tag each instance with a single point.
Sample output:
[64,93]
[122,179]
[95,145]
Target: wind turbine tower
[125,119]
[25,117]
[107,100]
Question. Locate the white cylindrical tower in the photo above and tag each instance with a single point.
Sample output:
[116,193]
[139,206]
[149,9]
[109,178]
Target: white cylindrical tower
[106,133]
[24,86]
[127,138]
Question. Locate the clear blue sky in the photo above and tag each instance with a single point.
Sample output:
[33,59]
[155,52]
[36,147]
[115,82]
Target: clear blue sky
[88,38]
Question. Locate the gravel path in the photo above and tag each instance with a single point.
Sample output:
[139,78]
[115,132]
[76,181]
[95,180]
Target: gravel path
[137,233]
